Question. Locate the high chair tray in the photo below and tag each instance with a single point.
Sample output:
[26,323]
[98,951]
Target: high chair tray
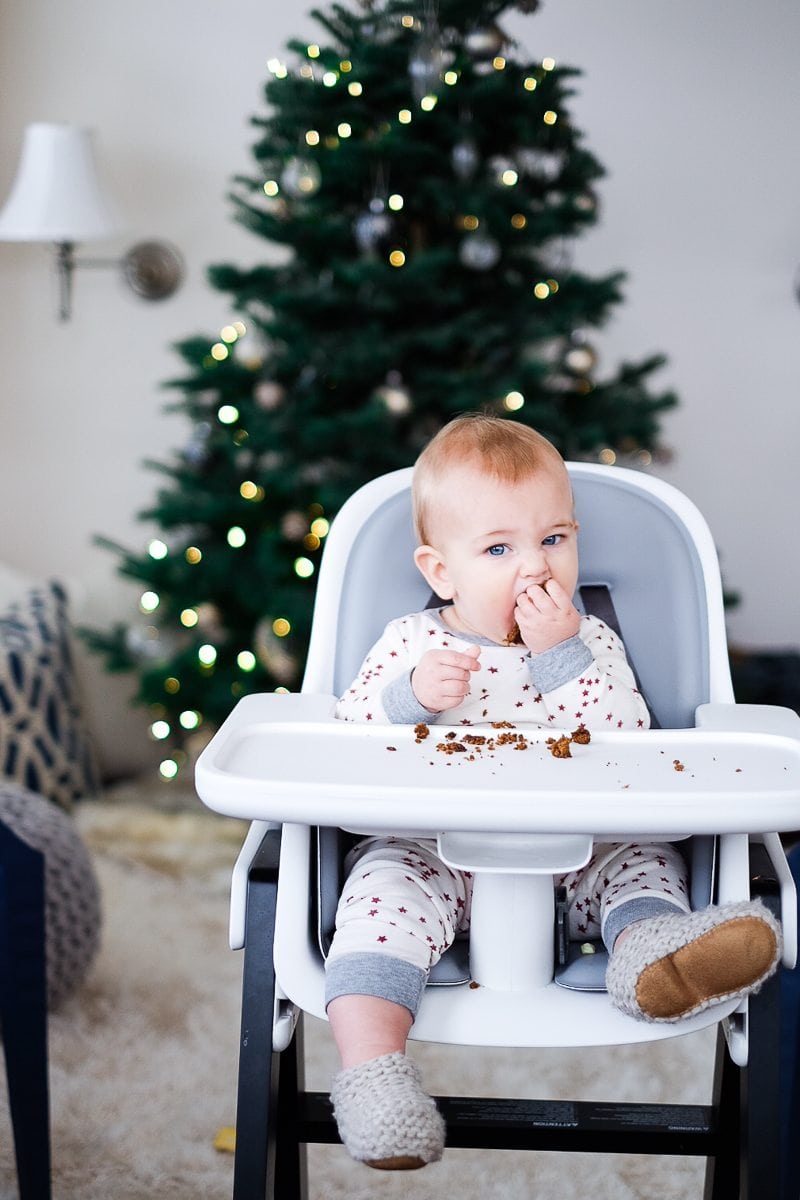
[285,758]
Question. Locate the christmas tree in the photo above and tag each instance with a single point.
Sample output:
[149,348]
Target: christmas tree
[423,185]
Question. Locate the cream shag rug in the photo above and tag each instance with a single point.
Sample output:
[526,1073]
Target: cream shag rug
[143,1059]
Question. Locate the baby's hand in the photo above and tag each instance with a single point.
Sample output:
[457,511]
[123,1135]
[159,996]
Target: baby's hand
[440,679]
[546,616]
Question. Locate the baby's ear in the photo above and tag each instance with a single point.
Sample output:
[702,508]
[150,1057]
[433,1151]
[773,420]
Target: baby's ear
[432,566]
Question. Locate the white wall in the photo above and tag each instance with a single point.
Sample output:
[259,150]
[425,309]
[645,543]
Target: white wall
[693,109]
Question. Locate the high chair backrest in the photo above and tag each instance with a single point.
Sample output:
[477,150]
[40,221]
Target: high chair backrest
[638,535]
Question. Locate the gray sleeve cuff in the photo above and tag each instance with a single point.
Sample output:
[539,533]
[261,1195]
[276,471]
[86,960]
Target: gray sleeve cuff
[370,974]
[560,664]
[401,705]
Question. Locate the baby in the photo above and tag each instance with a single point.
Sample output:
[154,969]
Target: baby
[498,541]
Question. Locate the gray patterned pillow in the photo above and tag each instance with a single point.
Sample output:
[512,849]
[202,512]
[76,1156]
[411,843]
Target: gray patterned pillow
[43,742]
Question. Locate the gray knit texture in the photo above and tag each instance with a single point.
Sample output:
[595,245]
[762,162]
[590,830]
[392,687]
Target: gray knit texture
[658,937]
[382,1112]
[72,896]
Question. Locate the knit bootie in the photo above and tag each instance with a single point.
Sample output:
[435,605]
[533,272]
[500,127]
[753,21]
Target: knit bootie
[669,967]
[384,1117]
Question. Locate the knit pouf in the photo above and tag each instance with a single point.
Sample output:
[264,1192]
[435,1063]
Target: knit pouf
[72,897]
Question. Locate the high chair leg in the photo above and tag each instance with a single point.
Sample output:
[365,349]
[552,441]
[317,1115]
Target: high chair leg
[748,1100]
[269,1160]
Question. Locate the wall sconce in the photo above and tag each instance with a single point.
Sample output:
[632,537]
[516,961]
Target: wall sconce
[56,197]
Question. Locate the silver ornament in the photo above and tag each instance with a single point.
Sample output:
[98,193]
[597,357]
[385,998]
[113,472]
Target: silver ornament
[370,228]
[301,178]
[465,158]
[394,394]
[485,43]
[479,252]
[544,164]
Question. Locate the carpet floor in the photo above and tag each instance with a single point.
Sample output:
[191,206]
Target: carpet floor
[143,1058]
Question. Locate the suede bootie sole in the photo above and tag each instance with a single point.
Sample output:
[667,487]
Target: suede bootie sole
[671,967]
[384,1117]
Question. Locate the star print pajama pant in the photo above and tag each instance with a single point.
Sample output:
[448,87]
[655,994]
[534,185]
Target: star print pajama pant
[401,907]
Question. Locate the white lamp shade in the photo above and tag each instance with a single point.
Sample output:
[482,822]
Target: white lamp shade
[56,196]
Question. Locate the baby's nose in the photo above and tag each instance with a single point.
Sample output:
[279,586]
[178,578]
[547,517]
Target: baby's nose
[533,565]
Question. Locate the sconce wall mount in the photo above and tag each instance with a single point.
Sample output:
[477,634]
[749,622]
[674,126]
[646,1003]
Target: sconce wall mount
[57,198]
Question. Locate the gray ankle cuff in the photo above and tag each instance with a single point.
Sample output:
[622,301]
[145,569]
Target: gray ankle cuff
[638,909]
[366,974]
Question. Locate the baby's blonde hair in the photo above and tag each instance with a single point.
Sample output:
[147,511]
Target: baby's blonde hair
[505,450]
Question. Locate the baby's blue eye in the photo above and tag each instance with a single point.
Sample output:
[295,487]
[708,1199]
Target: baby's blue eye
[552,539]
[496,551]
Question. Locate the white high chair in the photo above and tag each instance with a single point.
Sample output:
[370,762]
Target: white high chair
[516,820]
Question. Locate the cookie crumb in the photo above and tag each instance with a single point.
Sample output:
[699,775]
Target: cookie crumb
[559,748]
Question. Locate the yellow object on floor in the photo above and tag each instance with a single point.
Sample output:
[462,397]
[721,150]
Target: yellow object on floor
[225,1139]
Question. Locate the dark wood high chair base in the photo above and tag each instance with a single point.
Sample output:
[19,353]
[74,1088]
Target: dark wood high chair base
[739,1132]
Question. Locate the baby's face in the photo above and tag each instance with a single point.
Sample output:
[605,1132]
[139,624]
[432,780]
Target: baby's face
[499,539]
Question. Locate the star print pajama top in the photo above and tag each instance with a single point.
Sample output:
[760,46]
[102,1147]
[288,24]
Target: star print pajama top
[401,906]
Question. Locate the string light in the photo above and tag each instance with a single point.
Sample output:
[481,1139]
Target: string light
[168,769]
[277,68]
[513,401]
[344,129]
[236,537]
[190,718]
[172,685]
[345,66]
[355,88]
[550,117]
[149,601]
[313,50]
[189,618]
[404,116]
[219,352]
[407,21]
[509,177]
[271,187]
[246,660]
[207,655]
[320,527]
[193,555]
[228,414]
[548,64]
[229,334]
[281,627]
[541,291]
[330,79]
[312,137]
[607,457]
[450,77]
[499,63]
[428,103]
[519,220]
[529,83]
[251,491]
[157,549]
[303,567]
[160,730]
[395,202]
